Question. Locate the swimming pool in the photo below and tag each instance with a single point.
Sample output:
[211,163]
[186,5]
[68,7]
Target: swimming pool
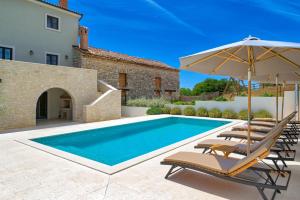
[117,144]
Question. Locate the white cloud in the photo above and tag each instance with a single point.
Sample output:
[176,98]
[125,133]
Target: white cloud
[174,17]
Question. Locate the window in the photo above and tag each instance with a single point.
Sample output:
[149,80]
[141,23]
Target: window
[122,80]
[158,83]
[51,59]
[6,53]
[52,22]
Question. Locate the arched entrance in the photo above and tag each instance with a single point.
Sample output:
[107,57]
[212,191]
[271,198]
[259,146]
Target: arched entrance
[54,105]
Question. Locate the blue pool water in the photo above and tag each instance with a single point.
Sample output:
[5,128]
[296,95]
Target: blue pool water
[116,144]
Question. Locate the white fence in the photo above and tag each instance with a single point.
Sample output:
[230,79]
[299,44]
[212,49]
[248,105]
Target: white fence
[258,103]
[129,111]
[239,103]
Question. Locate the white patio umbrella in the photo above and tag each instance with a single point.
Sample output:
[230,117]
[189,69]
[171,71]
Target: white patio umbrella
[251,56]
[283,78]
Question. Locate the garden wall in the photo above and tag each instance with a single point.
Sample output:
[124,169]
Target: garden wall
[130,111]
[258,103]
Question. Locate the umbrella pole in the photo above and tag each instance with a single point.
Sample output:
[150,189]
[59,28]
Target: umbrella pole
[276,99]
[249,111]
[282,105]
[298,101]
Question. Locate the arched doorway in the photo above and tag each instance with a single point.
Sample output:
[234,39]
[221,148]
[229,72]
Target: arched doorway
[54,105]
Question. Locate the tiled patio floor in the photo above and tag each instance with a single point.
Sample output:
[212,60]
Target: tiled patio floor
[28,173]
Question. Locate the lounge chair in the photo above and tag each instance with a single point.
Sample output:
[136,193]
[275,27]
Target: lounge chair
[262,123]
[254,128]
[269,122]
[228,147]
[233,169]
[262,126]
[288,138]
[270,119]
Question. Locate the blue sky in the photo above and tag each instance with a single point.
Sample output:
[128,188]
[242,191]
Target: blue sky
[165,30]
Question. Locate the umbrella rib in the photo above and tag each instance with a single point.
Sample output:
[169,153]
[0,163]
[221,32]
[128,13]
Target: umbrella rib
[233,59]
[226,60]
[264,53]
[205,58]
[283,58]
[271,56]
[297,74]
[237,57]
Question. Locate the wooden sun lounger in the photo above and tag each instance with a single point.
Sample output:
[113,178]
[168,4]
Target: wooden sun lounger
[254,128]
[262,123]
[231,168]
[288,138]
[271,119]
[227,147]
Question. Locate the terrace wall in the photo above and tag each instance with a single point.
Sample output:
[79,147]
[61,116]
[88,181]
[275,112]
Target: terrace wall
[22,84]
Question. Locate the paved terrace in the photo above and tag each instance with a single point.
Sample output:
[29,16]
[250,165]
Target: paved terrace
[28,173]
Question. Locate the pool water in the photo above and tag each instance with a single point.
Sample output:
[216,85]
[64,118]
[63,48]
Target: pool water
[116,144]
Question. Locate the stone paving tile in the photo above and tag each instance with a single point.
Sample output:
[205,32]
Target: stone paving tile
[30,174]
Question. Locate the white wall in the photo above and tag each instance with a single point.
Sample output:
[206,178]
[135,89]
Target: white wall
[241,103]
[54,102]
[106,107]
[258,103]
[129,111]
[22,25]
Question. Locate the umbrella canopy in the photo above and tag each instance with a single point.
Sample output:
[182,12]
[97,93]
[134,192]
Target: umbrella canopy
[250,57]
[284,78]
[270,57]
[288,78]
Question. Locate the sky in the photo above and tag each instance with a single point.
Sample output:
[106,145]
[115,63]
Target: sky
[165,30]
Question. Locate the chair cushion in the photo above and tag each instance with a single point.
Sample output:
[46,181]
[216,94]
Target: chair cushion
[209,162]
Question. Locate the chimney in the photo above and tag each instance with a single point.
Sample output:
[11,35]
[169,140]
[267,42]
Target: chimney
[83,33]
[63,4]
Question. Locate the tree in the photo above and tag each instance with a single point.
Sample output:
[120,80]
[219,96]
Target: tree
[209,85]
[185,92]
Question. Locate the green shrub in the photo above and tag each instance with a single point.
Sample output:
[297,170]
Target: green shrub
[215,113]
[175,111]
[262,114]
[267,95]
[166,110]
[154,111]
[202,112]
[229,114]
[143,102]
[189,111]
[243,115]
[220,98]
[184,102]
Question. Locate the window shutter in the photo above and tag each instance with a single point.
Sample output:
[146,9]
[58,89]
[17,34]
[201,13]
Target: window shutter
[122,80]
[158,83]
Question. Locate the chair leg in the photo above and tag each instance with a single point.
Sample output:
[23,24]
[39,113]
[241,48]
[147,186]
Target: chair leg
[261,191]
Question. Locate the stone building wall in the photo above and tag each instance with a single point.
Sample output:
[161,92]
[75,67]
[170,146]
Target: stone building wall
[140,78]
[22,84]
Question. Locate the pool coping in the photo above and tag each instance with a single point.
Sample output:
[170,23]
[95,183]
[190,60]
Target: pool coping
[26,140]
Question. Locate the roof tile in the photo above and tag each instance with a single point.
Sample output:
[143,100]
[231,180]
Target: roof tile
[123,57]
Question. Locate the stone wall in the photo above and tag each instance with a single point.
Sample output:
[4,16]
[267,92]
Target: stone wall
[99,109]
[22,84]
[140,78]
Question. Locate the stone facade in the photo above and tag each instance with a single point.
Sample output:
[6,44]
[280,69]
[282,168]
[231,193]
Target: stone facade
[140,77]
[23,83]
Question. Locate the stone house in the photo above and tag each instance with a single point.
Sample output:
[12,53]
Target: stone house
[135,77]
[38,32]
[46,75]
[38,83]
